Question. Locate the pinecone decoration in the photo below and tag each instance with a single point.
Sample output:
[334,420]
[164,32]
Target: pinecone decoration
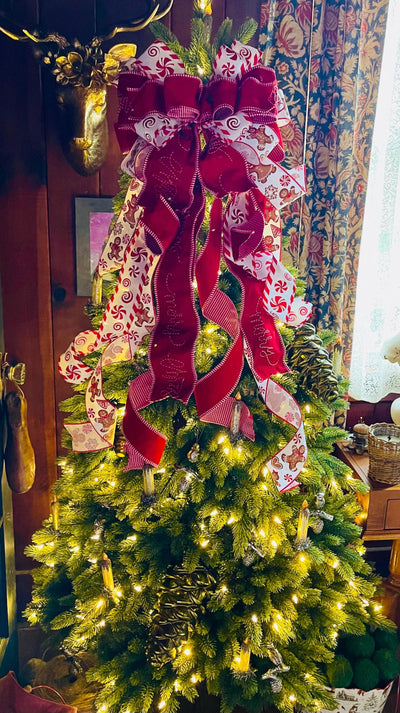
[179,603]
[119,443]
[307,355]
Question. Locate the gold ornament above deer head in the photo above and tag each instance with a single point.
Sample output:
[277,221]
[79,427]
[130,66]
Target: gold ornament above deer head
[82,74]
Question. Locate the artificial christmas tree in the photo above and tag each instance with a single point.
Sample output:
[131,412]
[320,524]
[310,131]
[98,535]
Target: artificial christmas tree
[221,547]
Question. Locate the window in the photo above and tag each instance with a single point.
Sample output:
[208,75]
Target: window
[377,314]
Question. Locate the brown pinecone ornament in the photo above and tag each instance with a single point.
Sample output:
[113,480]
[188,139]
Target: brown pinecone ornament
[119,443]
[19,457]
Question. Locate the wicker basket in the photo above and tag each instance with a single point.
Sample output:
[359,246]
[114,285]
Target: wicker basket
[384,454]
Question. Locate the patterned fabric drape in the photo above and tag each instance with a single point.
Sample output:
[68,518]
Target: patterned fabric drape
[327,56]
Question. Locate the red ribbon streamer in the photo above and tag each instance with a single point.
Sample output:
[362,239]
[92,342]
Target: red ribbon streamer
[211,392]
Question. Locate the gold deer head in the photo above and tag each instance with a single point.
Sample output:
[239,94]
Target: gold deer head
[82,74]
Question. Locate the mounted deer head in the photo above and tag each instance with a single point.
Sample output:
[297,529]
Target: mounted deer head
[82,74]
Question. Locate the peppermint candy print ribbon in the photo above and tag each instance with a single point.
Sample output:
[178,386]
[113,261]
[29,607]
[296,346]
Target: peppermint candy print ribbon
[98,431]
[246,256]
[286,465]
[112,256]
[279,285]
[128,318]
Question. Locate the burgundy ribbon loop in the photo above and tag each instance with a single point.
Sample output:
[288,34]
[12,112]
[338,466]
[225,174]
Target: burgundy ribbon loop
[219,101]
[247,237]
[224,170]
[257,99]
[178,86]
[184,98]
[171,172]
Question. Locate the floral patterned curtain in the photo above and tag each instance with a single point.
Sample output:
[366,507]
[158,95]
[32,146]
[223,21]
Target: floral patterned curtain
[327,57]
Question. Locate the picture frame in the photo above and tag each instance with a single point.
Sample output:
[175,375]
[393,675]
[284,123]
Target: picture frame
[92,221]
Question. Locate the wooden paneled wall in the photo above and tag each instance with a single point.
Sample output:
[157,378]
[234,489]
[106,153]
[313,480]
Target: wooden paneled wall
[42,313]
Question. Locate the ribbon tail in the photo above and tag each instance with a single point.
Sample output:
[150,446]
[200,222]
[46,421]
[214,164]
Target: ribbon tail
[149,443]
[130,308]
[173,229]
[120,235]
[286,465]
[267,291]
[70,366]
[171,352]
[116,253]
[98,431]
[212,391]
[127,320]
[86,438]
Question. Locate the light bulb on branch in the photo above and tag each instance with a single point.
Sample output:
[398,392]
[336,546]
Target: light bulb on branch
[148,495]
[234,431]
[241,664]
[106,571]
[55,513]
[302,541]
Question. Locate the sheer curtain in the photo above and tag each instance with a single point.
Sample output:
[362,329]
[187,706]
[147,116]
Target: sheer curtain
[377,313]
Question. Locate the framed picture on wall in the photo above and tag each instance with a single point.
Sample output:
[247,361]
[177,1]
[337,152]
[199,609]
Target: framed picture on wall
[92,221]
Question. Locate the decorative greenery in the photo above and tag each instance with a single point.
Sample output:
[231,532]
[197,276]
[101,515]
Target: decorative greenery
[339,672]
[366,675]
[369,661]
[387,663]
[199,56]
[359,646]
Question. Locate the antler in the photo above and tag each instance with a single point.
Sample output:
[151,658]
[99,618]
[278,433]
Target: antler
[139,24]
[21,34]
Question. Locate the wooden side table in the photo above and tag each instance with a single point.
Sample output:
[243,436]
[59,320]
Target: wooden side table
[381,521]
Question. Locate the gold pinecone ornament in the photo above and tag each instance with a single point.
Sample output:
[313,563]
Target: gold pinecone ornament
[180,600]
[307,355]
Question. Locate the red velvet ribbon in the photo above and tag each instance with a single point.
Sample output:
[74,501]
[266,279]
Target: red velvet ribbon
[184,97]
[174,177]
[171,352]
[265,348]
[212,391]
